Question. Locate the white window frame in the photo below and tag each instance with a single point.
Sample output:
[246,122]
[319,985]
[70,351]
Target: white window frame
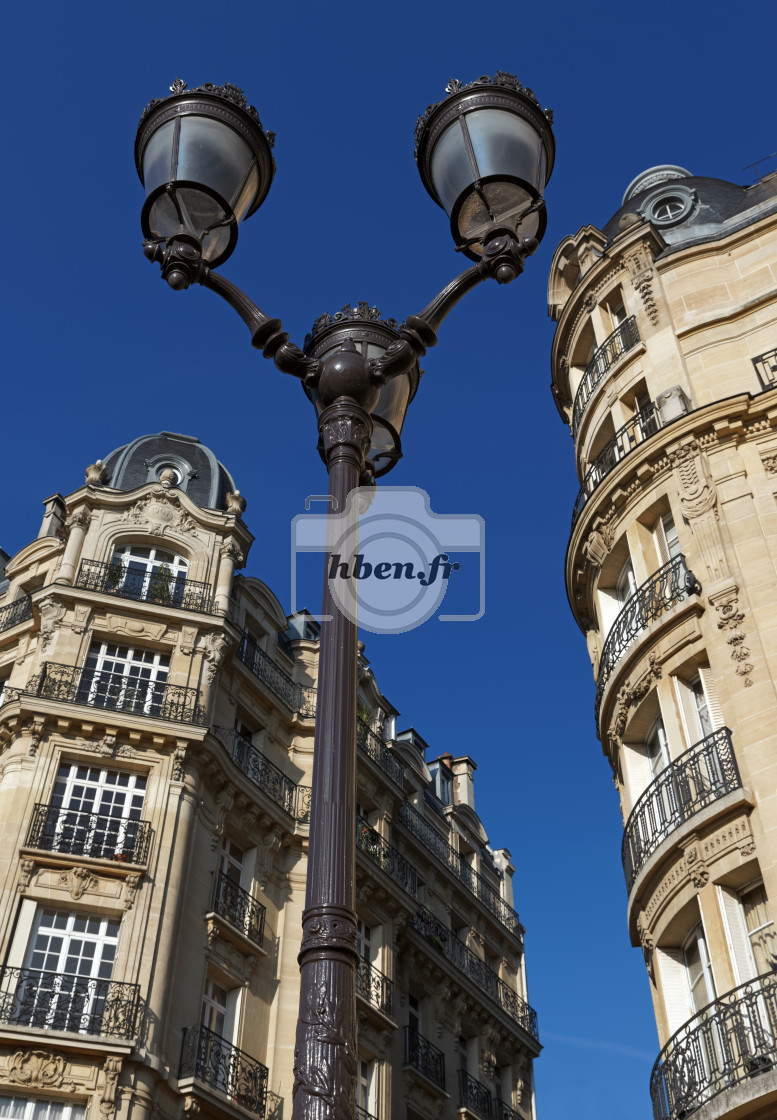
[133,676]
[37,1108]
[74,814]
[135,573]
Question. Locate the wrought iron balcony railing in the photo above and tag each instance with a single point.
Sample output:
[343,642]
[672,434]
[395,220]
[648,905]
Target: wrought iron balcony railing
[623,338]
[376,988]
[162,587]
[642,425]
[502,1111]
[59,1001]
[368,741]
[99,689]
[13,613]
[703,774]
[70,831]
[293,799]
[297,697]
[476,970]
[386,856]
[236,906]
[474,1096]
[766,368]
[423,1056]
[363,1114]
[445,853]
[209,1058]
[733,1039]
[672,583]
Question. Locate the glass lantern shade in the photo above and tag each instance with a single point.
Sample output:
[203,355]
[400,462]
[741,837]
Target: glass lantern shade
[371,338]
[205,165]
[485,155]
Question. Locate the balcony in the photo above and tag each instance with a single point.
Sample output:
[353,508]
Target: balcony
[502,1111]
[386,857]
[71,832]
[293,799]
[422,1056]
[766,368]
[375,988]
[363,1114]
[56,1001]
[476,884]
[672,583]
[623,338]
[642,425]
[730,1041]
[116,692]
[239,909]
[474,1096]
[161,586]
[16,612]
[477,971]
[368,741]
[209,1058]
[297,697]
[700,776]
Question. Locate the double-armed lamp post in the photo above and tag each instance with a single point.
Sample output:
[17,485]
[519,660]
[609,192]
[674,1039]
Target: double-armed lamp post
[485,153]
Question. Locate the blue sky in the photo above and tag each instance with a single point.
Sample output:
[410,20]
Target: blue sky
[99,350]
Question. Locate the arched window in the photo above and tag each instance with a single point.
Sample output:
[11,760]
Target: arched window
[148,574]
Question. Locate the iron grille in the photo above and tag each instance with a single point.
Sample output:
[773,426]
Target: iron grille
[423,1056]
[363,1114]
[474,1096]
[672,583]
[502,1111]
[296,697]
[730,1041]
[476,970]
[16,612]
[445,853]
[145,587]
[623,338]
[56,829]
[642,425]
[368,741]
[293,799]
[57,1001]
[208,1057]
[386,856]
[376,988]
[237,907]
[766,368]
[119,693]
[703,774]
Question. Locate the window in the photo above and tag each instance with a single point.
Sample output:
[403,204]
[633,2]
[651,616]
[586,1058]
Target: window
[365,1087]
[364,941]
[95,812]
[65,982]
[231,861]
[666,538]
[442,782]
[699,706]
[150,575]
[698,969]
[21,1108]
[657,748]
[626,584]
[124,678]
[668,208]
[461,1053]
[413,1015]
[750,931]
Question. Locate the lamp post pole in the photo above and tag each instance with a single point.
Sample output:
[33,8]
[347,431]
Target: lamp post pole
[484,153]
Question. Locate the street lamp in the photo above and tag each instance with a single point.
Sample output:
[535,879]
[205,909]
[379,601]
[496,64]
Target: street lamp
[485,153]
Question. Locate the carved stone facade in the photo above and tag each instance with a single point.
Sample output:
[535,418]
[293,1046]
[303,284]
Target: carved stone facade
[671,574]
[157,755]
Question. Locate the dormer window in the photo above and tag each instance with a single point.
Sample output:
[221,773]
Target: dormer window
[442,782]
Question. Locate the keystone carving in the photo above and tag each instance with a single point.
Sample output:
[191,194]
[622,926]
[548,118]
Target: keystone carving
[158,512]
[52,611]
[78,880]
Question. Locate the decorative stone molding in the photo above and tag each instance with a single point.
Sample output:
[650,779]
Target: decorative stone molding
[131,887]
[265,855]
[81,519]
[96,473]
[725,601]
[36,1069]
[236,503]
[639,265]
[52,611]
[78,880]
[159,512]
[697,869]
[26,872]
[215,646]
[628,695]
[232,551]
[135,627]
[770,463]
[111,1071]
[35,726]
[179,760]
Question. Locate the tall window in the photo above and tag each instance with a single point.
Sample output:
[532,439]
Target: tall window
[760,928]
[698,969]
[124,678]
[21,1108]
[364,941]
[149,574]
[667,540]
[65,982]
[365,1087]
[626,585]
[95,812]
[413,1015]
[231,860]
[657,748]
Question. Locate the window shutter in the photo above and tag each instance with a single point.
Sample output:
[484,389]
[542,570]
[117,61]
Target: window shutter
[674,987]
[713,702]
[736,936]
[636,771]
[688,713]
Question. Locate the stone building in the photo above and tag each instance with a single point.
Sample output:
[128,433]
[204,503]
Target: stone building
[156,728]
[664,366]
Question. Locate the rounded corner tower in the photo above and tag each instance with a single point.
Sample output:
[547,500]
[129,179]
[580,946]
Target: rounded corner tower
[196,470]
[664,366]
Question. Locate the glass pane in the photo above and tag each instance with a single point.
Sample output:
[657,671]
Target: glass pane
[157,158]
[506,144]
[451,169]
[213,154]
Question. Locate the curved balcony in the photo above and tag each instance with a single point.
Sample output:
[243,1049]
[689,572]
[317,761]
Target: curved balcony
[642,425]
[207,1057]
[672,583]
[623,338]
[730,1041]
[73,832]
[298,697]
[703,774]
[293,799]
[160,586]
